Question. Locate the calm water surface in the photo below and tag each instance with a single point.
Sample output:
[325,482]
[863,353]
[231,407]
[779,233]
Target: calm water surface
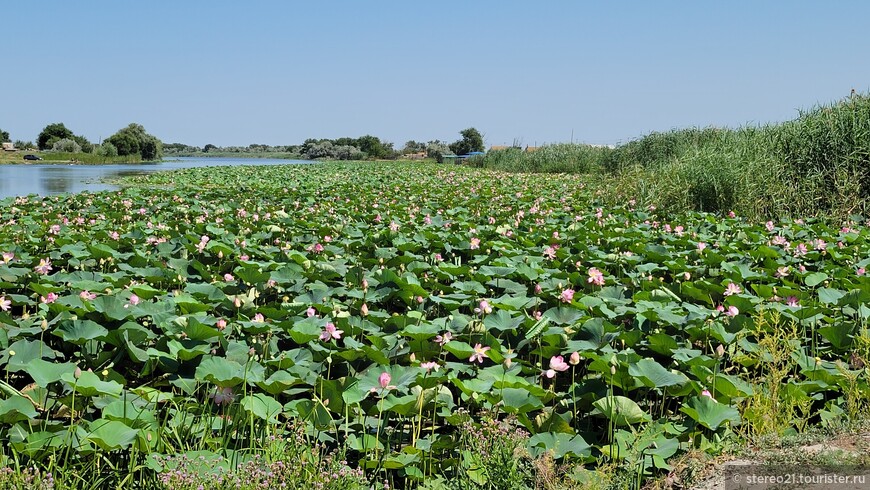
[24,179]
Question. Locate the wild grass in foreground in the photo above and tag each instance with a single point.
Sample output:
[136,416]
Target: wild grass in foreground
[432,326]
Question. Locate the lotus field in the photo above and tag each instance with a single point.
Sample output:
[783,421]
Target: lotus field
[404,324]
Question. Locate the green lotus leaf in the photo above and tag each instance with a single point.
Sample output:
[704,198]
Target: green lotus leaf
[621,410]
[709,413]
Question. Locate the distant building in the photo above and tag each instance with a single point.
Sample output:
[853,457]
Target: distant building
[9,147]
[414,156]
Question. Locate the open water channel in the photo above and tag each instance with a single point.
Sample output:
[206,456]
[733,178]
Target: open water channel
[46,179]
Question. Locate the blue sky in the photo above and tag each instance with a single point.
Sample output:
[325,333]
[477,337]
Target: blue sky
[278,72]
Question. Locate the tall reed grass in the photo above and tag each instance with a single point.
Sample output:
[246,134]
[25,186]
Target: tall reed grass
[816,164]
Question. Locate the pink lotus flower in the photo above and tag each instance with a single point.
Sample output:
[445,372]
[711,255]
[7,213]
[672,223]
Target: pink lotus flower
[223,396]
[567,295]
[483,307]
[310,312]
[538,289]
[364,310]
[707,394]
[429,366]
[478,354]
[769,225]
[550,253]
[475,243]
[384,380]
[443,339]
[557,364]
[596,277]
[258,318]
[228,277]
[44,266]
[574,359]
[87,295]
[7,257]
[49,298]
[732,311]
[781,272]
[792,301]
[860,271]
[5,304]
[800,250]
[134,300]
[221,324]
[330,332]
[732,288]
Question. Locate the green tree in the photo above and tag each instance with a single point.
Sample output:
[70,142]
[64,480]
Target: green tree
[374,147]
[86,146]
[471,141]
[133,140]
[413,147]
[51,134]
[4,136]
[436,149]
[208,147]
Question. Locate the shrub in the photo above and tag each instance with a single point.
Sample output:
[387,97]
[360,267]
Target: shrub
[66,145]
[107,150]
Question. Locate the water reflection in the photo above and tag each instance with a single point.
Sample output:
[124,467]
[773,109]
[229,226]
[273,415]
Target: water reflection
[24,179]
[56,179]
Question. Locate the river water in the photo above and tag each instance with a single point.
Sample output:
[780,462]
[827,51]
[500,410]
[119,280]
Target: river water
[46,179]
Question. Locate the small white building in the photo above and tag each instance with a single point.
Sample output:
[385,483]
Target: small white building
[9,147]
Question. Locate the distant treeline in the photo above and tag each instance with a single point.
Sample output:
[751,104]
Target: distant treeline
[131,143]
[816,164]
[363,148]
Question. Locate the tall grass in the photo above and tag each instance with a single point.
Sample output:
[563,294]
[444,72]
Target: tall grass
[817,164]
[88,158]
[560,158]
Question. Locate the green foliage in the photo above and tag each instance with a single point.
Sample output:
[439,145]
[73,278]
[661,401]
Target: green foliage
[68,145]
[567,158]
[4,136]
[818,164]
[200,312]
[133,140]
[89,158]
[107,149]
[437,149]
[52,133]
[471,141]
[413,147]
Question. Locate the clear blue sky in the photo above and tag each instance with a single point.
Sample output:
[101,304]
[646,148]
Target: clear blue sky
[278,72]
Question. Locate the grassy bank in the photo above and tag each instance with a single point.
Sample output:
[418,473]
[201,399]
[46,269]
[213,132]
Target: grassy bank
[817,164]
[64,157]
